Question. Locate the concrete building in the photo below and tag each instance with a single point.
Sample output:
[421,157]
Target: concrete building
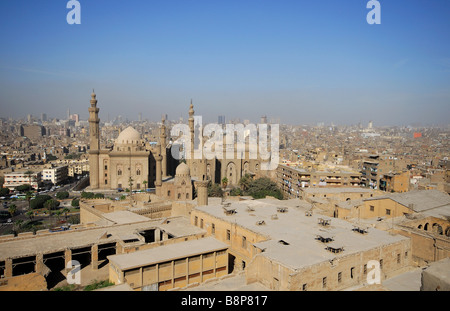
[421,215]
[283,247]
[32,131]
[18,178]
[171,266]
[395,182]
[292,180]
[56,175]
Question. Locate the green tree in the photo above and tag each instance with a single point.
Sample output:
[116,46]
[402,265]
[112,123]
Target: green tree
[61,195]
[24,187]
[87,195]
[12,209]
[4,192]
[39,201]
[224,182]
[75,202]
[214,190]
[65,210]
[245,182]
[262,187]
[236,191]
[29,194]
[30,214]
[51,205]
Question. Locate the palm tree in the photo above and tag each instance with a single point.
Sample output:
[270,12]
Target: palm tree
[58,214]
[30,175]
[65,210]
[244,182]
[224,182]
[30,214]
[12,209]
[145,184]
[29,194]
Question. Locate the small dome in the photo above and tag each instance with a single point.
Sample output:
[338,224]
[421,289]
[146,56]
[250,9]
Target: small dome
[128,136]
[183,170]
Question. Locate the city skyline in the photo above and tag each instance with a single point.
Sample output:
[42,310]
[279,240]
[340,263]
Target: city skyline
[300,61]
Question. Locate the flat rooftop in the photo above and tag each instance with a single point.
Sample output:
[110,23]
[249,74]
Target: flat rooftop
[72,239]
[291,236]
[166,253]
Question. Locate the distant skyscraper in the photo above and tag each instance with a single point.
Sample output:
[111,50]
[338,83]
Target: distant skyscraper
[140,116]
[263,119]
[370,125]
[221,120]
[43,117]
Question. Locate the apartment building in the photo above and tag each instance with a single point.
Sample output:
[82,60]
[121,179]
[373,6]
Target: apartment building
[18,178]
[291,179]
[55,174]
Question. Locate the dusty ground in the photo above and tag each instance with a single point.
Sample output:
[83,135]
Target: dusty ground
[88,276]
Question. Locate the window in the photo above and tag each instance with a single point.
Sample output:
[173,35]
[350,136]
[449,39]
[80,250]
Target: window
[305,287]
[352,271]
[388,211]
[228,235]
[365,270]
[372,208]
[106,167]
[324,282]
[244,242]
[195,221]
[339,277]
[201,223]
[398,258]
[119,172]
[381,264]
[406,255]
[213,228]
[138,172]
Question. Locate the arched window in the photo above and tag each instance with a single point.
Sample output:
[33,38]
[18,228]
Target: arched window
[138,172]
[437,229]
[419,227]
[119,172]
[179,195]
[425,227]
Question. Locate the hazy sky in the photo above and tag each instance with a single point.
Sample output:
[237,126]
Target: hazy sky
[302,61]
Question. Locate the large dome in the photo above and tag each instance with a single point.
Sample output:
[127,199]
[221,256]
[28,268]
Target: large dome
[128,136]
[182,170]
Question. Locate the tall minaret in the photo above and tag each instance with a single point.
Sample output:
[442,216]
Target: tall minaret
[94,142]
[162,138]
[191,128]
[158,158]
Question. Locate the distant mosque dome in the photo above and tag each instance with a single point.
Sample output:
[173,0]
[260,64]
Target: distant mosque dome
[182,170]
[128,136]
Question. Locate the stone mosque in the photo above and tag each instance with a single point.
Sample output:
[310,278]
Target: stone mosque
[135,164]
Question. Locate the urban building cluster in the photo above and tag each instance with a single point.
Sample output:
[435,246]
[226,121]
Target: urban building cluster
[358,203]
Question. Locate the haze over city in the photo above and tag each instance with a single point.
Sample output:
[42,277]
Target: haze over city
[300,61]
